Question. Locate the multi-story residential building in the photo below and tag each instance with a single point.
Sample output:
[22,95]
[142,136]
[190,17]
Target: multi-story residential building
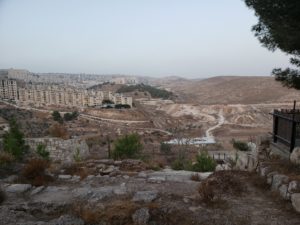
[8,89]
[42,95]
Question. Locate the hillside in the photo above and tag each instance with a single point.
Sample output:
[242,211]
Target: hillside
[233,90]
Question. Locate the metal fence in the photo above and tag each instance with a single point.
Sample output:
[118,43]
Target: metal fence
[286,127]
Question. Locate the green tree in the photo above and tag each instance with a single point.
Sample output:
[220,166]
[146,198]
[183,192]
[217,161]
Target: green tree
[128,146]
[57,117]
[278,27]
[13,140]
[204,163]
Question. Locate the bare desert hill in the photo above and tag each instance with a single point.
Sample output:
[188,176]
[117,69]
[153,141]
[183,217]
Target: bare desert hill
[232,90]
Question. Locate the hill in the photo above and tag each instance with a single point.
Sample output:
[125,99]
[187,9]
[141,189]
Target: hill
[233,90]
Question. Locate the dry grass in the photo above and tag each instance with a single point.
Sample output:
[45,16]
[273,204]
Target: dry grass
[76,169]
[195,177]
[285,167]
[220,183]
[116,212]
[259,182]
[59,131]
[6,158]
[35,172]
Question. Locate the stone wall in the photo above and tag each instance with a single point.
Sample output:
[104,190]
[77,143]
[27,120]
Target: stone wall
[60,149]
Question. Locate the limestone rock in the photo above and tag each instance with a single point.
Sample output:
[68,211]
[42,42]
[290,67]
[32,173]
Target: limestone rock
[283,191]
[108,170]
[294,186]
[145,196]
[264,171]
[295,198]
[279,179]
[64,176]
[295,156]
[37,190]
[18,188]
[270,177]
[67,220]
[141,216]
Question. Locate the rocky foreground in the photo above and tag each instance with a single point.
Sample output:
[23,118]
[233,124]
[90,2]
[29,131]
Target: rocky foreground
[122,193]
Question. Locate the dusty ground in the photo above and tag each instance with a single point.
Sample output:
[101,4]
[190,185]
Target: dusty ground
[175,200]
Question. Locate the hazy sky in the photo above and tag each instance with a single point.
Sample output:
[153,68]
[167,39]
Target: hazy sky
[189,38]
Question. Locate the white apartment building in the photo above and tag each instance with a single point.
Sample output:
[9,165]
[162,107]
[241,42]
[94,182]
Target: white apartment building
[43,95]
[8,89]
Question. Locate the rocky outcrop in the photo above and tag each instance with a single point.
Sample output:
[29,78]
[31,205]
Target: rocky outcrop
[295,156]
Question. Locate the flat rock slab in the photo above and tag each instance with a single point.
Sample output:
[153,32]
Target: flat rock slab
[18,188]
[175,175]
[145,196]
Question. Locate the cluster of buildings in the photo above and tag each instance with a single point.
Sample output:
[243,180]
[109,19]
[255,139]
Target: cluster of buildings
[60,95]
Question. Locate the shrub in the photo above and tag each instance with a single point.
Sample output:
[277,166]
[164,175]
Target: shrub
[42,152]
[165,148]
[35,172]
[13,141]
[204,163]
[57,117]
[76,156]
[240,145]
[128,146]
[71,116]
[181,164]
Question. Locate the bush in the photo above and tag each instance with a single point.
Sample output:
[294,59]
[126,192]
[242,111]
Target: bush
[35,172]
[13,141]
[182,164]
[42,152]
[165,148]
[71,116]
[57,117]
[204,163]
[122,106]
[128,146]
[240,145]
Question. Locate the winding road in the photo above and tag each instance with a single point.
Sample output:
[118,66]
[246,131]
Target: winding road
[221,120]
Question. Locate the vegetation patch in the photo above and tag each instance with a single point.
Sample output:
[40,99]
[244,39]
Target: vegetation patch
[240,145]
[35,172]
[221,183]
[204,163]
[13,141]
[153,91]
[116,212]
[128,146]
[42,152]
